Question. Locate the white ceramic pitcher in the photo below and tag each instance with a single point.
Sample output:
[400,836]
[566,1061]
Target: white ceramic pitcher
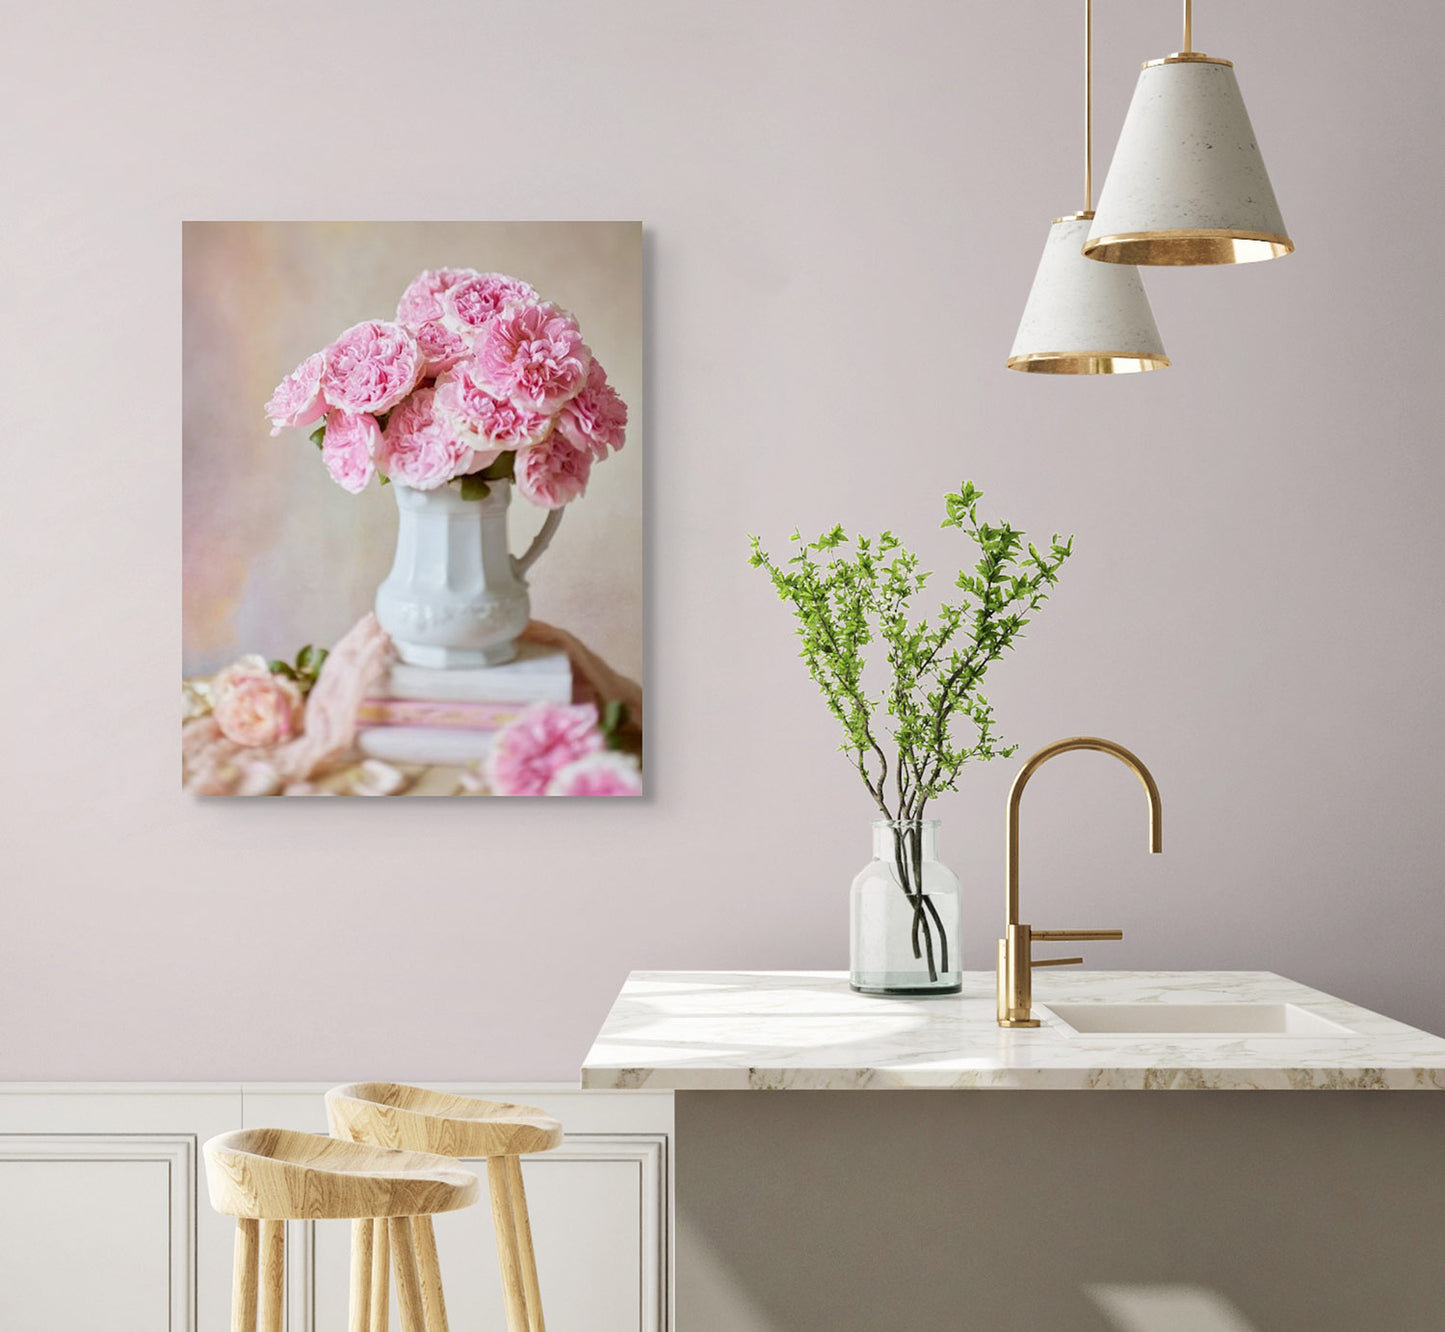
[455,595]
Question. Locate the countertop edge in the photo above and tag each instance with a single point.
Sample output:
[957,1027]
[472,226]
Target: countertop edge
[1100,1079]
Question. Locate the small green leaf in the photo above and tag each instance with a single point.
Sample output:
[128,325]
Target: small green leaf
[317,435]
[614,717]
[502,468]
[474,487]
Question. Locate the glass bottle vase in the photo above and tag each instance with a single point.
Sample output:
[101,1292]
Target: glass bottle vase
[904,915]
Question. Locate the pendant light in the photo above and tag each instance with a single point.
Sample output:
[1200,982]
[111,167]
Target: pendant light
[1083,318]
[1187,184]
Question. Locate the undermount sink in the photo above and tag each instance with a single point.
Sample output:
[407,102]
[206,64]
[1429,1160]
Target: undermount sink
[1195,1020]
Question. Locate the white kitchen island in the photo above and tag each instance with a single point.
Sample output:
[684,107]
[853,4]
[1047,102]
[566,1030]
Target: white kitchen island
[1275,1202]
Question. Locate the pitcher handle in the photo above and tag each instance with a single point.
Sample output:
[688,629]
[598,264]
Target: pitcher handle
[540,542]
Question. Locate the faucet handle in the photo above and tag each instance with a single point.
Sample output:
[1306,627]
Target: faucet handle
[1016,963]
[1075,935]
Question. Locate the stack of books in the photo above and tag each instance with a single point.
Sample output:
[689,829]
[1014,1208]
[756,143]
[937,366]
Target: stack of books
[426,715]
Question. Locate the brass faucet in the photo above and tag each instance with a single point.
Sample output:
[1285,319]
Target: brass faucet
[1015,951]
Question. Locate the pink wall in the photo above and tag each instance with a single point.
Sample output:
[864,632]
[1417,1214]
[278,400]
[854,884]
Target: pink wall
[845,204]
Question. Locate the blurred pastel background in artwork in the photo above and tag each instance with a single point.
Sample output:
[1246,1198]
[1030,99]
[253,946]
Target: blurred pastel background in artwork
[277,555]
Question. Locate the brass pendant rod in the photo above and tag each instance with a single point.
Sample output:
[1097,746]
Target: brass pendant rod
[1188,25]
[1088,106]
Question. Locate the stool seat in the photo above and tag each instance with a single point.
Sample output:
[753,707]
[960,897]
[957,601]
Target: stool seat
[418,1120]
[281,1175]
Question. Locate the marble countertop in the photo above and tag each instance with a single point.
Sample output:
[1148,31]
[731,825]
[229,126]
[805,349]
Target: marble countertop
[806,1030]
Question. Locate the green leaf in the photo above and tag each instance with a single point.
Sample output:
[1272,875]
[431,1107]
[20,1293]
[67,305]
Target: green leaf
[502,468]
[317,435]
[613,719]
[304,659]
[474,487]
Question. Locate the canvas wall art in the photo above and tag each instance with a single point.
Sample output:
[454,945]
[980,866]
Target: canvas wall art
[412,509]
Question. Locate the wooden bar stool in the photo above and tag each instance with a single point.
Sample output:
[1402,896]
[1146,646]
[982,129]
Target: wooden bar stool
[388,1114]
[266,1177]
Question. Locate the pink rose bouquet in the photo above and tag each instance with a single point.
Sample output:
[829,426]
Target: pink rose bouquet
[478,380]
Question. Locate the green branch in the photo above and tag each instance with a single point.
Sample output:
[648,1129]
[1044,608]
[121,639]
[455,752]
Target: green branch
[847,594]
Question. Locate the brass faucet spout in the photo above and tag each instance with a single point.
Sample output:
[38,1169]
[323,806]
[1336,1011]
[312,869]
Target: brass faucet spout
[1015,950]
[1016,792]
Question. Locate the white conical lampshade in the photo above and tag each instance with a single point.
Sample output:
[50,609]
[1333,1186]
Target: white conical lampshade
[1084,318]
[1187,184]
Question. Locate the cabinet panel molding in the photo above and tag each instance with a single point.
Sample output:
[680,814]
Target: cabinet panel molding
[174,1154]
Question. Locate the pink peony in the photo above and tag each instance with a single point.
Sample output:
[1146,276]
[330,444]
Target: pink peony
[348,449]
[418,448]
[297,400]
[371,367]
[529,752]
[474,411]
[254,707]
[482,459]
[596,419]
[441,347]
[421,301]
[602,774]
[470,304]
[553,473]
[534,356]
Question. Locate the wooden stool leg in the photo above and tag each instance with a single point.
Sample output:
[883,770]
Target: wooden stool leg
[523,1226]
[431,1273]
[380,1284]
[273,1276]
[502,1222]
[408,1279]
[244,1275]
[359,1315]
